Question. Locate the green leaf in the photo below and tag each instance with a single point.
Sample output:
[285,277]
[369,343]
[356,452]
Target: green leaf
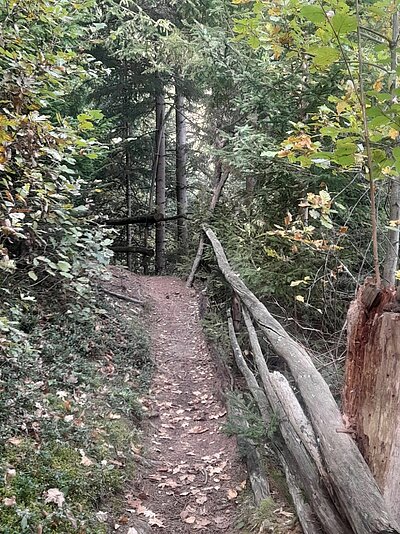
[269,153]
[314,14]
[344,23]
[381,120]
[396,155]
[63,266]
[96,114]
[323,56]
[331,131]
[345,148]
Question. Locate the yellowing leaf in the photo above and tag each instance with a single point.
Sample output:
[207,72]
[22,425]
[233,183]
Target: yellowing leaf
[378,85]
[86,461]
[341,106]
[288,218]
[393,134]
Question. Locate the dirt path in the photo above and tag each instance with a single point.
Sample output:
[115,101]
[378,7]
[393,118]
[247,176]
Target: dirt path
[195,476]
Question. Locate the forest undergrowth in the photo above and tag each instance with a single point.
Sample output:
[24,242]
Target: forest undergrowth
[70,414]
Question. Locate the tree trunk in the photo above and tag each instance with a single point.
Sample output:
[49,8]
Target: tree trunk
[181,176]
[352,483]
[371,397]
[128,166]
[392,254]
[160,182]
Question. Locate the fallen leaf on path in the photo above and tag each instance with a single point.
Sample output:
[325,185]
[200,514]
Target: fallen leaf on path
[188,513]
[222,522]
[154,521]
[102,516]
[232,494]
[132,530]
[169,483]
[218,415]
[241,486]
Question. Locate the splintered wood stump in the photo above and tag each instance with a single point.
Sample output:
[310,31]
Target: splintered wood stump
[371,397]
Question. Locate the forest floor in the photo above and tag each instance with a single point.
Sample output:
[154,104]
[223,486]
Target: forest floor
[193,475]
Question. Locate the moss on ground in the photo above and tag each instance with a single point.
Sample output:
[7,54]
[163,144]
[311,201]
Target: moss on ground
[69,417]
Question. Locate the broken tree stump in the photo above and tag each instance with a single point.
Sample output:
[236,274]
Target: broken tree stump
[371,396]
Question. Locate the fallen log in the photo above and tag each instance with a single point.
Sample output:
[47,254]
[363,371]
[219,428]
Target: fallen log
[302,455]
[255,466]
[305,515]
[291,442]
[354,486]
[219,186]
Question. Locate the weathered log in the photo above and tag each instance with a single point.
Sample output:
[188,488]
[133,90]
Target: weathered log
[133,249]
[291,443]
[252,384]
[371,398]
[150,218]
[302,454]
[255,465]
[304,511]
[355,488]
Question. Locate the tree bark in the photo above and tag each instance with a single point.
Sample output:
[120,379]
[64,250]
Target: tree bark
[353,484]
[304,511]
[160,182]
[392,253]
[371,398]
[181,176]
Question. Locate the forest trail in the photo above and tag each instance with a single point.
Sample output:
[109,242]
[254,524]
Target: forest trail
[195,474]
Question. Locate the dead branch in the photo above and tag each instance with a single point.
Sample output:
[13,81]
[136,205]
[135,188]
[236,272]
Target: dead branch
[123,297]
